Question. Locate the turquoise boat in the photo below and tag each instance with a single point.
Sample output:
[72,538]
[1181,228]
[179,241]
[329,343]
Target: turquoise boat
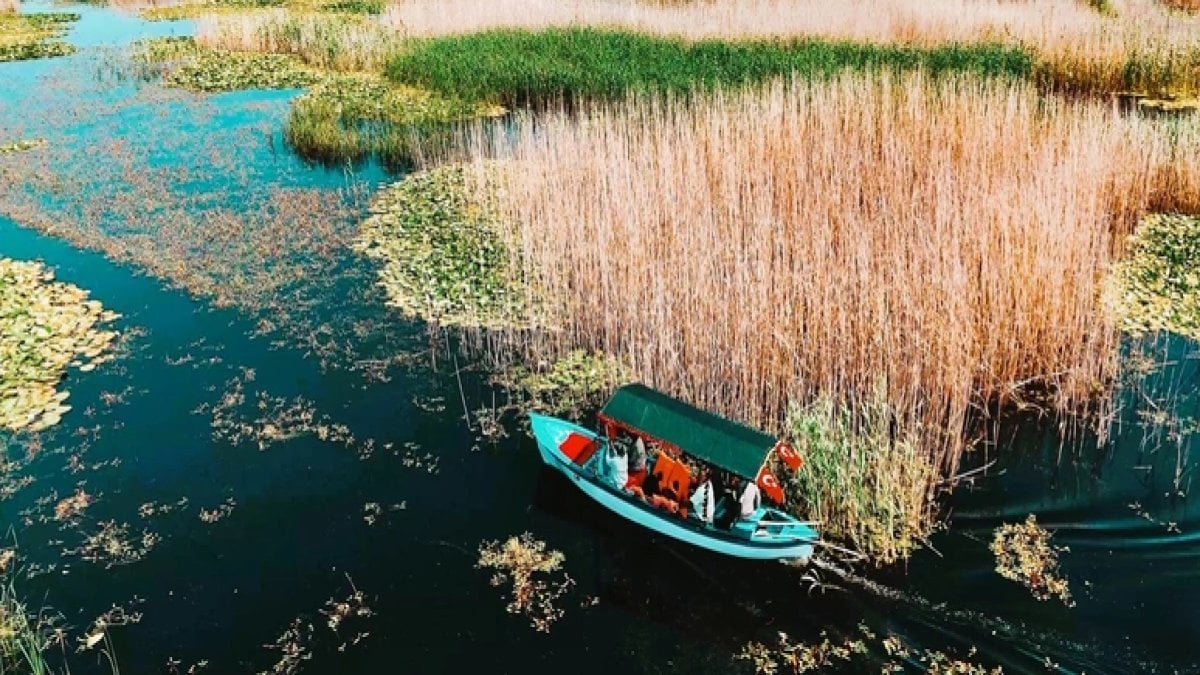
[579,454]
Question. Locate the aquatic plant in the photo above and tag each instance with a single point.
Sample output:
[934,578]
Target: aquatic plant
[865,482]
[45,327]
[1025,555]
[112,545]
[22,146]
[443,252]
[753,250]
[796,658]
[25,634]
[1157,285]
[297,643]
[517,561]
[34,36]
[349,117]
[577,381]
[338,43]
[519,68]
[200,69]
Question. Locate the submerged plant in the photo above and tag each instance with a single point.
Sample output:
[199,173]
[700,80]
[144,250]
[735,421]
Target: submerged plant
[525,563]
[1025,555]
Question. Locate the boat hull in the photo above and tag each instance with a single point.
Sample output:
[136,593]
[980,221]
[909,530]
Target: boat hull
[550,433]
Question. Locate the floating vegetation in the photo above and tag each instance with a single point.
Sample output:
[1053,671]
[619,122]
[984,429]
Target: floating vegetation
[579,380]
[195,68]
[113,544]
[154,509]
[349,117]
[1024,555]
[34,36]
[796,657]
[70,508]
[373,511]
[45,326]
[444,259]
[22,146]
[296,644]
[516,561]
[116,616]
[1157,286]
[219,513]
[788,657]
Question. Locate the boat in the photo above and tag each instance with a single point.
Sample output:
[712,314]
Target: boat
[679,430]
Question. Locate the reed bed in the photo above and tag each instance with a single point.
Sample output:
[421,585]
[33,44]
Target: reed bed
[344,43]
[932,246]
[10,6]
[1137,44]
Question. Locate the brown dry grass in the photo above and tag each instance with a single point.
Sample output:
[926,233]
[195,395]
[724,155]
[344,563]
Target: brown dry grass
[941,243]
[339,43]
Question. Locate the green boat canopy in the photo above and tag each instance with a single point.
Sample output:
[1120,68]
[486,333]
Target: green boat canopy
[703,435]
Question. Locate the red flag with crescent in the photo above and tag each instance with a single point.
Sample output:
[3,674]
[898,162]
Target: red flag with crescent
[789,456]
[769,484]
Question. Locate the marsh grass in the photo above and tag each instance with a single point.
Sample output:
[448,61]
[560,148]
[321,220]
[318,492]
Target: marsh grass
[863,481]
[341,43]
[513,68]
[25,634]
[349,117]
[939,243]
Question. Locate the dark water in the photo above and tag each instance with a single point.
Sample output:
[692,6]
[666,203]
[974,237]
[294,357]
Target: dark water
[218,592]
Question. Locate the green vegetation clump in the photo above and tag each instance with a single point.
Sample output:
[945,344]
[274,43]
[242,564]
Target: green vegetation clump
[1157,286]
[514,67]
[567,386]
[45,326]
[196,68]
[866,485]
[34,36]
[349,117]
[442,251]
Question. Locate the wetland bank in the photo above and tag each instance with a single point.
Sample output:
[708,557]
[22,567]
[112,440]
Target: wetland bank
[305,282]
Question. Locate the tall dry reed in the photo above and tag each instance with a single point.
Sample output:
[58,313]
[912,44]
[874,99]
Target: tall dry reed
[348,43]
[941,243]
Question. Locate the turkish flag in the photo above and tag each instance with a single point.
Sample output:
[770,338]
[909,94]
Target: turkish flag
[769,484]
[789,456]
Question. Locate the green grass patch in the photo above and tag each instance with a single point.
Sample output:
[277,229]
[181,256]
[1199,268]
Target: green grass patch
[351,117]
[513,67]
[189,66]
[867,484]
[34,36]
[442,251]
[1157,286]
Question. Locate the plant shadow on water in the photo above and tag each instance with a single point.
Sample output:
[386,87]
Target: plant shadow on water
[291,523]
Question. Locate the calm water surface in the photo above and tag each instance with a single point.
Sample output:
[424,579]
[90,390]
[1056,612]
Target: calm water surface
[297,535]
